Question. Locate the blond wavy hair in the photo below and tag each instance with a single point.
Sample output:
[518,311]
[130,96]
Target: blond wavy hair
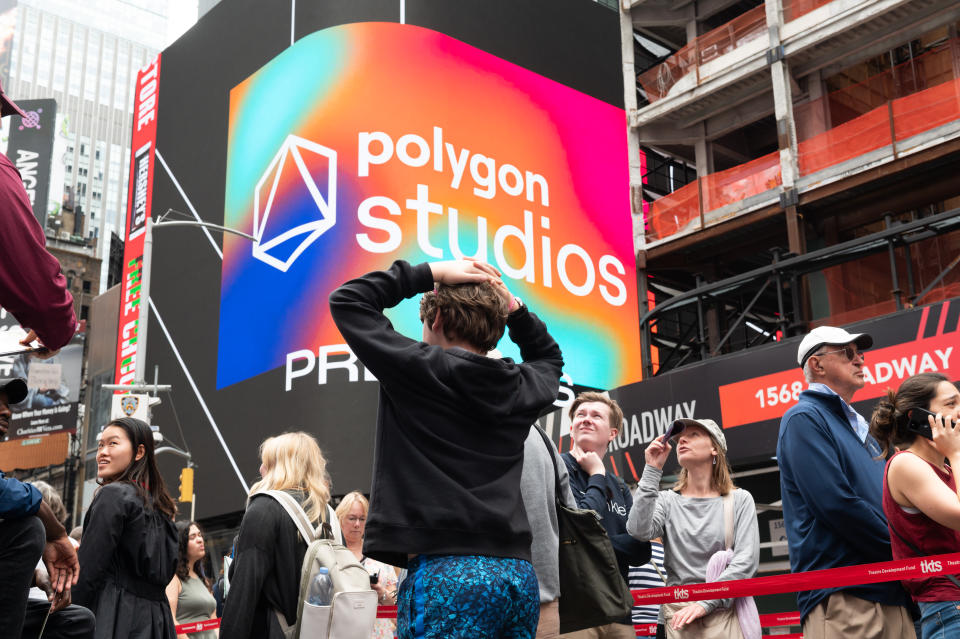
[293,461]
[349,500]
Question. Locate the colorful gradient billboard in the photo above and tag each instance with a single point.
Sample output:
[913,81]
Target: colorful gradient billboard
[370,142]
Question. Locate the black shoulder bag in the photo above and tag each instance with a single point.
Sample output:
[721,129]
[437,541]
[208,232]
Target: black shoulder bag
[592,592]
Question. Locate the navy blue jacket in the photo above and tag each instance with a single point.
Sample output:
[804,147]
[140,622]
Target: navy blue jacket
[17,499]
[611,499]
[831,485]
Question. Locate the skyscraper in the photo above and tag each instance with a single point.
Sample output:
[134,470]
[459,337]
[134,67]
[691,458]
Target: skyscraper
[86,55]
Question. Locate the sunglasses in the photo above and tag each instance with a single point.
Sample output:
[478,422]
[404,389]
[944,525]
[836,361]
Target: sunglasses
[847,350]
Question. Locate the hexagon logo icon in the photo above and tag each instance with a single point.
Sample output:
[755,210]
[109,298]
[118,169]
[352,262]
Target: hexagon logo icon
[294,202]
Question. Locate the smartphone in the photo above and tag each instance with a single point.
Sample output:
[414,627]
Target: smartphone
[374,578]
[917,422]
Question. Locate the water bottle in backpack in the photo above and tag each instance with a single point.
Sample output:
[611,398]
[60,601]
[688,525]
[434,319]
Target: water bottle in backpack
[321,589]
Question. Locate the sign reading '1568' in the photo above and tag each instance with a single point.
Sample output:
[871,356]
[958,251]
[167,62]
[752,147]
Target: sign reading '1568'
[454,153]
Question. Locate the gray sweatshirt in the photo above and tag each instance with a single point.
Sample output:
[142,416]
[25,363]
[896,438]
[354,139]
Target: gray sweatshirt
[692,531]
[537,486]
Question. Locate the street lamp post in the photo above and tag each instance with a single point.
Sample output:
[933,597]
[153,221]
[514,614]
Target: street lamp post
[145,273]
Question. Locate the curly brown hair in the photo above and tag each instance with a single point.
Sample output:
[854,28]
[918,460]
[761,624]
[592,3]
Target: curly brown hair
[474,313]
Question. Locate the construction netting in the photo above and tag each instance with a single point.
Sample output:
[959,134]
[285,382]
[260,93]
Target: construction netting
[906,100]
[680,211]
[793,9]
[863,288]
[658,81]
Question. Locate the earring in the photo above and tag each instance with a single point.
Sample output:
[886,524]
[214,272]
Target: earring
[714,461]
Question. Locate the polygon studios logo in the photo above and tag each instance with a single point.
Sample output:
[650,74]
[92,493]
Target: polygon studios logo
[296,154]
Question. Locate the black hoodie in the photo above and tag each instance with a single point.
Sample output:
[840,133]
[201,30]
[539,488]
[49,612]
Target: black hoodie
[450,429]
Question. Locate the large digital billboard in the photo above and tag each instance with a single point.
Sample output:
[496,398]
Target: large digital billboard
[340,137]
[454,153]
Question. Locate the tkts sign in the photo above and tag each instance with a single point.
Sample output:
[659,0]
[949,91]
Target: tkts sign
[139,198]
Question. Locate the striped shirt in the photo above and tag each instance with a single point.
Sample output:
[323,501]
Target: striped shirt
[645,576]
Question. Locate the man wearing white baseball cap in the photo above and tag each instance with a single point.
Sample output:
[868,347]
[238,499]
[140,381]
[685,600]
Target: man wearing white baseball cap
[831,477]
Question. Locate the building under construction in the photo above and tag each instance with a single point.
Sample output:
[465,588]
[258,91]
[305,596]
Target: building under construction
[793,163]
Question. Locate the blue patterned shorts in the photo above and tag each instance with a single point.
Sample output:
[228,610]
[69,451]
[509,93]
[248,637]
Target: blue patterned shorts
[468,597]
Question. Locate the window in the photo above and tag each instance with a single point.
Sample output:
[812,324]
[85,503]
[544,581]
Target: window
[86,286]
[84,312]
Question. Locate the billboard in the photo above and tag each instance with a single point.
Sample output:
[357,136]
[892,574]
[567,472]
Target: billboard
[31,149]
[343,136]
[748,392]
[473,156]
[139,200]
[53,384]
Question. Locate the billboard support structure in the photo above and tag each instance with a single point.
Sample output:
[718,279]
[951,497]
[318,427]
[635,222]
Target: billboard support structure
[145,274]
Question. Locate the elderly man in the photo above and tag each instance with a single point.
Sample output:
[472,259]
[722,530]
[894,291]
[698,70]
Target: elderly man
[831,478]
[596,420]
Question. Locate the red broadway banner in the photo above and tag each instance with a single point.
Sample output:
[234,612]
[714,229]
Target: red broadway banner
[816,579]
[769,396]
[139,201]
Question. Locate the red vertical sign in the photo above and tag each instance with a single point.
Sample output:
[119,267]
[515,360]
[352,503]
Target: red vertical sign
[139,199]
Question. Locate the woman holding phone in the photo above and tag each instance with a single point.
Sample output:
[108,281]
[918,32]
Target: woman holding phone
[920,496]
[352,513]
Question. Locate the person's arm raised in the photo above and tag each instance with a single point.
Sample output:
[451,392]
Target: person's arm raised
[915,480]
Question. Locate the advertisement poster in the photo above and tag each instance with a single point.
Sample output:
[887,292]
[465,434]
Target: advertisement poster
[53,384]
[341,137]
[748,392]
[31,148]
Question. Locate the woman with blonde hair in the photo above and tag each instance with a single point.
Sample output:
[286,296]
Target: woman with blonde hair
[709,530]
[352,514]
[265,574]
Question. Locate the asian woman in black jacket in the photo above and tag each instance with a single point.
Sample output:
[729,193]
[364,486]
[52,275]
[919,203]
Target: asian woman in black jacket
[129,549]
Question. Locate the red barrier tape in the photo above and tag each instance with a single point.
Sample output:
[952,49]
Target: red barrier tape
[780,619]
[197,626]
[814,580]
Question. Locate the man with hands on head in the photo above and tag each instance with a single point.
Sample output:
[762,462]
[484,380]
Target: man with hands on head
[596,420]
[28,530]
[446,501]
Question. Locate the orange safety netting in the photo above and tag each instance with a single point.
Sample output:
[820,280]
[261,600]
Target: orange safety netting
[841,143]
[680,211]
[926,110]
[657,82]
[920,94]
[674,213]
[793,9]
[742,181]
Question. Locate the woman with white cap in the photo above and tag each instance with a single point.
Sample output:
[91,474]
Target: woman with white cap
[709,529]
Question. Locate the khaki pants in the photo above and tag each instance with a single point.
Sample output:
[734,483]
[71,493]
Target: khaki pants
[609,631]
[842,616]
[549,625]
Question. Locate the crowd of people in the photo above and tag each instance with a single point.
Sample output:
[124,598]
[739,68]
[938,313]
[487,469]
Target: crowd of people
[462,530]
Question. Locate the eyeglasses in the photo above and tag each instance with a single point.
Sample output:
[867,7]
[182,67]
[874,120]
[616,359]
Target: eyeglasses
[847,350]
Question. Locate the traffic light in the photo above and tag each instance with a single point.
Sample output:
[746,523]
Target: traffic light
[186,485]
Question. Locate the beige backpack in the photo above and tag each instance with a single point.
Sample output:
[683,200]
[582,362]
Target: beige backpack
[353,610]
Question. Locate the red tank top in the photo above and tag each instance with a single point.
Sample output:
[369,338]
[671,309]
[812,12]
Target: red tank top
[927,535]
